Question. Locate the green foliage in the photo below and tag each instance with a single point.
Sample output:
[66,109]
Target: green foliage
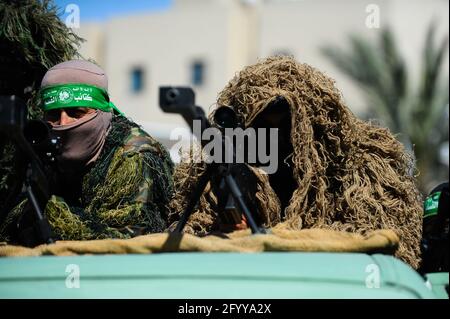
[39,35]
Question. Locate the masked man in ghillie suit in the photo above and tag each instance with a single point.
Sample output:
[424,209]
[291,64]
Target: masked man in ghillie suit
[335,171]
[112,179]
[32,39]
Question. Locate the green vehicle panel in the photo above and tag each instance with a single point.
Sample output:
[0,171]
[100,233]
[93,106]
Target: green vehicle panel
[214,275]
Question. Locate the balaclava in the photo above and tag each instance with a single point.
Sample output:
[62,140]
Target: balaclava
[75,84]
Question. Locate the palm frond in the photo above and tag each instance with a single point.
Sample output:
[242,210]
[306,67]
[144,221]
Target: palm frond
[414,113]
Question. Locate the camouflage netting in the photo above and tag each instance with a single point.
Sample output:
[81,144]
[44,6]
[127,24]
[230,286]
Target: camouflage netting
[32,39]
[351,175]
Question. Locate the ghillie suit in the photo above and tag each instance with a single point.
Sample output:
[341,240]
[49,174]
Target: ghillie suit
[347,174]
[32,39]
[124,194]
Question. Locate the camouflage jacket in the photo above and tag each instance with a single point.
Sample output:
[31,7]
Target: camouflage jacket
[124,194]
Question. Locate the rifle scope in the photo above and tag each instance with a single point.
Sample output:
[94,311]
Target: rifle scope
[225,117]
[44,142]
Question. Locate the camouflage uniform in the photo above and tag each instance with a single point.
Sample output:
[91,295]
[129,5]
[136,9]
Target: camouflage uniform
[124,193]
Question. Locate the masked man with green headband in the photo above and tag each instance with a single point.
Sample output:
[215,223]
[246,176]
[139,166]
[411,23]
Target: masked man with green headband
[112,179]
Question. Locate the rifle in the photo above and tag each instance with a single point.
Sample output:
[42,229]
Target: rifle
[34,143]
[233,183]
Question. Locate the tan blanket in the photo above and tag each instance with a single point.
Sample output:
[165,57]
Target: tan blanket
[311,240]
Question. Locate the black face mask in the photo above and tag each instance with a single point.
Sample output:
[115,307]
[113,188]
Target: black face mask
[277,116]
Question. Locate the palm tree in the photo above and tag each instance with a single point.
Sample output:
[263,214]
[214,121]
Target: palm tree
[417,112]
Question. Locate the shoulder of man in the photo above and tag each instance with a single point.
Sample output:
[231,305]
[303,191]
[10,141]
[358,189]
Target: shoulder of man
[125,140]
[139,141]
[122,165]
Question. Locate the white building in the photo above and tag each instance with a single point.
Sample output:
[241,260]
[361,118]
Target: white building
[203,43]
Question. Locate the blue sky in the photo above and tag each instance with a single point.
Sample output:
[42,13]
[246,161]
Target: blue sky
[100,10]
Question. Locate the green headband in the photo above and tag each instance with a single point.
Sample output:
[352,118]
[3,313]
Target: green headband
[431,205]
[76,95]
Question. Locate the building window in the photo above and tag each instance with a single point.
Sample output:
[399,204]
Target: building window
[198,73]
[137,79]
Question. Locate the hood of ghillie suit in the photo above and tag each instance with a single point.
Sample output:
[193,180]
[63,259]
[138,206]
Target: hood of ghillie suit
[32,40]
[351,175]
